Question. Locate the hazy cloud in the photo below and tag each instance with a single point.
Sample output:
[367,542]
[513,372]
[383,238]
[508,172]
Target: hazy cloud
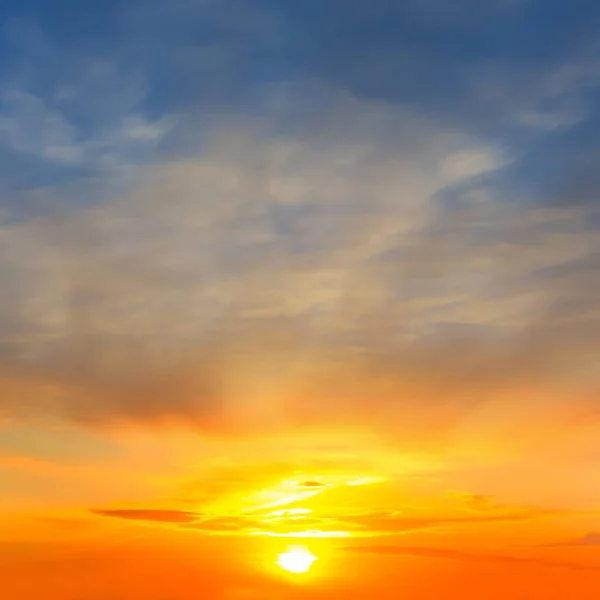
[161,516]
[289,522]
[589,539]
[312,484]
[287,278]
[449,554]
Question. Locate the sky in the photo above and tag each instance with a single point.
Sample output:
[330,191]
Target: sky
[304,279]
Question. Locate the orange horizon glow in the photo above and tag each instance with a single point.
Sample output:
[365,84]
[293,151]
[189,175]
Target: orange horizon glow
[378,507]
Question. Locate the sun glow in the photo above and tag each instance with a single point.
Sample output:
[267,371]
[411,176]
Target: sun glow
[296,559]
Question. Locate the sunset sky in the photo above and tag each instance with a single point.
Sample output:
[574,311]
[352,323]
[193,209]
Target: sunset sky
[299,299]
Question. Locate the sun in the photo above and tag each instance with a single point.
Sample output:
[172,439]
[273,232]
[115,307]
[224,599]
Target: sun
[296,559]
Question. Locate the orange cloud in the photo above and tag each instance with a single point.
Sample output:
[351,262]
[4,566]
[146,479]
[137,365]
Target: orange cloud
[449,554]
[161,516]
[298,521]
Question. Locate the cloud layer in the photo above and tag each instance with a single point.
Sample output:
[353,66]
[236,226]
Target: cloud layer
[276,278]
[449,554]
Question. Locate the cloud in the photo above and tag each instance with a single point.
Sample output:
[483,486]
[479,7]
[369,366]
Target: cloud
[487,505]
[158,515]
[589,539]
[449,554]
[48,131]
[30,127]
[391,522]
[276,279]
[70,114]
[312,484]
[301,521]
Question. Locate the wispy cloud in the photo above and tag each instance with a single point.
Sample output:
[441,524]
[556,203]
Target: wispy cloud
[331,259]
[300,521]
[589,539]
[449,554]
[313,484]
[158,515]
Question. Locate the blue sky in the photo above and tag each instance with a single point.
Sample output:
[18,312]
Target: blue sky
[389,180]
[88,83]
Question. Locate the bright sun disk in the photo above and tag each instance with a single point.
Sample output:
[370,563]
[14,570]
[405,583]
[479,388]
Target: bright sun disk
[296,559]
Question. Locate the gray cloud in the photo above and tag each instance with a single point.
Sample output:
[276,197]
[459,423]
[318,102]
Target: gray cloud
[276,279]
